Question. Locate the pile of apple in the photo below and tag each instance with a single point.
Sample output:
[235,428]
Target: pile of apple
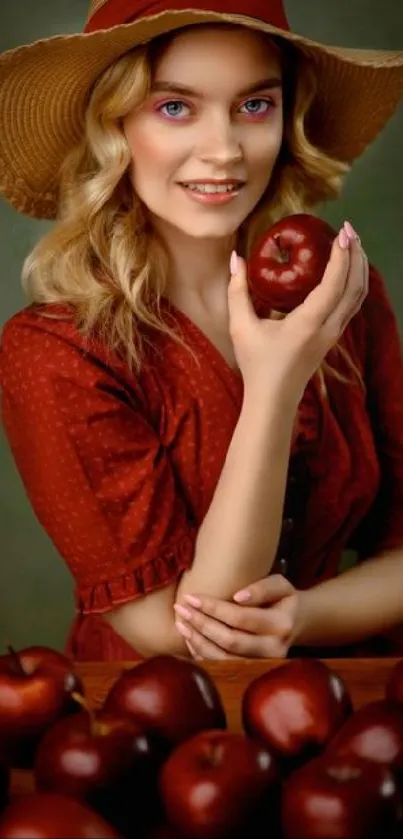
[157,761]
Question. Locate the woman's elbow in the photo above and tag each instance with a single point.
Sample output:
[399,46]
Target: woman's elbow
[148,626]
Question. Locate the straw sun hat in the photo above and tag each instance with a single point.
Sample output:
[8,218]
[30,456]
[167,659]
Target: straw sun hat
[44,86]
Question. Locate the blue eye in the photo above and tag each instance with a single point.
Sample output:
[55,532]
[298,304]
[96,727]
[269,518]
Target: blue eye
[173,108]
[176,108]
[254,106]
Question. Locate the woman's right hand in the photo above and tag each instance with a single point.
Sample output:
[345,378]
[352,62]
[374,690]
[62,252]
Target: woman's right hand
[285,353]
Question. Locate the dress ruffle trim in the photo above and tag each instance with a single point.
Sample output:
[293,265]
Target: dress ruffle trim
[133,583]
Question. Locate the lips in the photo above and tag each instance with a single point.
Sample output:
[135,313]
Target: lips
[227,185]
[213,188]
[213,182]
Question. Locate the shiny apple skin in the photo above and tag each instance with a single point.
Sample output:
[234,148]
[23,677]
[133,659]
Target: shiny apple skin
[296,709]
[221,785]
[51,815]
[374,732]
[36,687]
[340,798]
[172,696]
[288,261]
[105,760]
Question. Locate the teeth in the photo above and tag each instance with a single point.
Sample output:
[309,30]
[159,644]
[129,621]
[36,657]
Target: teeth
[212,187]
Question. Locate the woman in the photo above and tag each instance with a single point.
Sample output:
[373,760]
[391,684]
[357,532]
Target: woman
[176,447]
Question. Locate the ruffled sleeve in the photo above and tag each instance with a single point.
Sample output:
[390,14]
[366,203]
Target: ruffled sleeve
[95,471]
[382,529]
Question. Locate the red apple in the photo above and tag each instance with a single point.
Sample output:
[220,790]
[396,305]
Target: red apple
[4,784]
[50,815]
[164,831]
[394,684]
[107,761]
[287,261]
[374,732]
[36,687]
[296,709]
[340,798]
[172,696]
[220,784]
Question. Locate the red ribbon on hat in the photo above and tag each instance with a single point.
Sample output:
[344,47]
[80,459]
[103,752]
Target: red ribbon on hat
[118,12]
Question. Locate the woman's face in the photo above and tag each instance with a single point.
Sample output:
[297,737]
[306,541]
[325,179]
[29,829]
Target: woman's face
[205,142]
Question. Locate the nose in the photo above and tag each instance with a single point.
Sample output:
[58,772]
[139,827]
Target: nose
[219,141]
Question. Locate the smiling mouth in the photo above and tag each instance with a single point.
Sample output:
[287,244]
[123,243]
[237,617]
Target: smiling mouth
[213,189]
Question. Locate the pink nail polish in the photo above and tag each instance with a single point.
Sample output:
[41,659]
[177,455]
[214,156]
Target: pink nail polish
[343,239]
[350,230]
[194,601]
[242,596]
[233,263]
[182,611]
[183,629]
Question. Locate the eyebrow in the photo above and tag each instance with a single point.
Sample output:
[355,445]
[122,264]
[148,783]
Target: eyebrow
[262,84]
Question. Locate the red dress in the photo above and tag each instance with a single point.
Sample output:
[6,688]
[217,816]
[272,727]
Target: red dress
[120,468]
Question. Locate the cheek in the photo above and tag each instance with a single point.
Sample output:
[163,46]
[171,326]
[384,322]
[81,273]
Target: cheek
[145,151]
[271,139]
[151,150]
[268,150]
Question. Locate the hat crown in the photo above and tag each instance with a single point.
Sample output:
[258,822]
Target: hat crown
[104,14]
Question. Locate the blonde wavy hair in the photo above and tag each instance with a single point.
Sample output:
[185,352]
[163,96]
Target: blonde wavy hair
[103,258]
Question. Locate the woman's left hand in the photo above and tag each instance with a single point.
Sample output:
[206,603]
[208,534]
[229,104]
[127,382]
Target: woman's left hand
[263,625]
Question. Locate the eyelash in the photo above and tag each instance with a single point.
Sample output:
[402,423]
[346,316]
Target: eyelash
[176,118]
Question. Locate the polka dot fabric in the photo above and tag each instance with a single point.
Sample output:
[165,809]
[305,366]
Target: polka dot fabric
[121,469]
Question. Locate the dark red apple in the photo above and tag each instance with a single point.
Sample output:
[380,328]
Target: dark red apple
[50,815]
[4,784]
[287,261]
[394,684]
[36,687]
[164,831]
[340,798]
[296,709]
[172,696]
[374,732]
[220,784]
[107,761]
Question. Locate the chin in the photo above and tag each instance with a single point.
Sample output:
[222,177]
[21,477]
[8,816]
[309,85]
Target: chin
[198,222]
[212,225]
[210,232]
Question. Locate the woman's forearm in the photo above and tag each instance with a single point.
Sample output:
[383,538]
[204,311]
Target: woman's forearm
[358,604]
[239,536]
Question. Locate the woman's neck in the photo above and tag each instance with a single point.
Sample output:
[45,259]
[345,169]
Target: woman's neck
[199,268]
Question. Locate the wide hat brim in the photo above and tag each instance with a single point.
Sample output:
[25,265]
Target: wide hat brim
[44,90]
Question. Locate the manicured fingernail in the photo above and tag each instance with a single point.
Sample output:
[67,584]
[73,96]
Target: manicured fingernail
[183,629]
[182,611]
[343,239]
[233,263]
[242,596]
[350,230]
[194,601]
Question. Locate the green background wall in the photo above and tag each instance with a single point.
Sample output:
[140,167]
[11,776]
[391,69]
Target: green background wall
[36,602]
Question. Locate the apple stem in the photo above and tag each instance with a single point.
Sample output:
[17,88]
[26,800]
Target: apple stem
[284,254]
[16,660]
[81,700]
[78,697]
